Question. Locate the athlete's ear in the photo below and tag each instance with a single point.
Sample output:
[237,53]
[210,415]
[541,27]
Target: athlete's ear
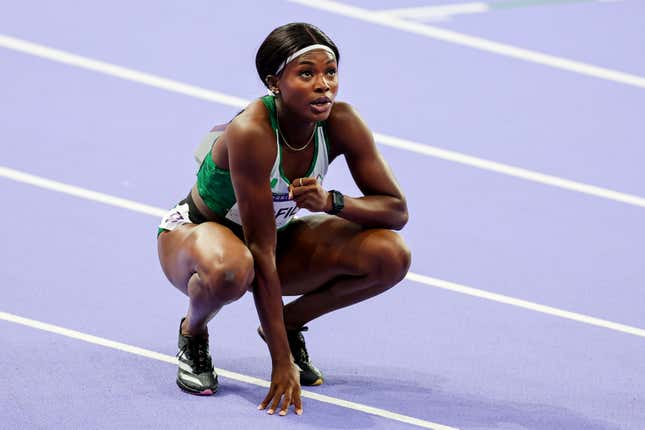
[272,84]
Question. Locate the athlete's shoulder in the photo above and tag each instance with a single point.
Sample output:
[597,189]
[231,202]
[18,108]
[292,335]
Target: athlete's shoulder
[346,127]
[251,125]
[342,112]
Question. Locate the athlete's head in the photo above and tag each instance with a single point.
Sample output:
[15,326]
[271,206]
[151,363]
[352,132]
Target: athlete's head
[298,63]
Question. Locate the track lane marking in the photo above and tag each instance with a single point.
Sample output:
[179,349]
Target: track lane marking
[83,193]
[395,142]
[507,300]
[114,70]
[120,346]
[446,11]
[473,42]
[513,171]
[414,277]
[443,11]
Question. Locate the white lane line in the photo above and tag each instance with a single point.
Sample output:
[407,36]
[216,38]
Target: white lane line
[118,71]
[549,310]
[407,145]
[445,11]
[506,169]
[426,280]
[96,340]
[80,192]
[436,12]
[473,42]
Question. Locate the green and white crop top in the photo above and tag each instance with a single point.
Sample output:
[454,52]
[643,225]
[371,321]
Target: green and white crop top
[215,187]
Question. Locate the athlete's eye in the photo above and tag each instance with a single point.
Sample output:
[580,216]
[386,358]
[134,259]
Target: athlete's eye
[306,74]
[331,72]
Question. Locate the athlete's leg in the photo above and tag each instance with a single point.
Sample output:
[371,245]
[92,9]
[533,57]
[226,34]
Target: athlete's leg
[335,263]
[209,264]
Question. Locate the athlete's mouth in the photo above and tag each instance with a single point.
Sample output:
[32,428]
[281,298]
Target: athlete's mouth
[321,101]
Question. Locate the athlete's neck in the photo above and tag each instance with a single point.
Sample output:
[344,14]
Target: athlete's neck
[292,126]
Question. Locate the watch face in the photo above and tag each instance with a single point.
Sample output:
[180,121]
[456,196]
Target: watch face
[337,201]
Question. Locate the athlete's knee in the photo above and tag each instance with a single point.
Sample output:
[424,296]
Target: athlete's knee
[390,258]
[222,285]
[227,281]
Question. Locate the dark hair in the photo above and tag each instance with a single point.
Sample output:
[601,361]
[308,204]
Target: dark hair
[284,41]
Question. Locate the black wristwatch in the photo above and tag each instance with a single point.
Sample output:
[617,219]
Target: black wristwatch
[337,202]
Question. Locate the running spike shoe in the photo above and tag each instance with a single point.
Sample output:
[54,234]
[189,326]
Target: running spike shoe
[196,374]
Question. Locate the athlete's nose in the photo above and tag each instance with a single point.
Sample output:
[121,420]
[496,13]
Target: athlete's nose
[321,84]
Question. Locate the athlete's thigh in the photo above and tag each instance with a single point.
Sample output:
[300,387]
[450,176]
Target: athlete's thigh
[192,248]
[315,249]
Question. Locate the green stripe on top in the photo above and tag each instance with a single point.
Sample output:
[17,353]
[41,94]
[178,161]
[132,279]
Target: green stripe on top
[269,102]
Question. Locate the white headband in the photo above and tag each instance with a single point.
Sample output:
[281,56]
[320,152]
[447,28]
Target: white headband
[291,57]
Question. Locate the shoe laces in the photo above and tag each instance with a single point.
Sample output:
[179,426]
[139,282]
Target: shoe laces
[197,351]
[297,344]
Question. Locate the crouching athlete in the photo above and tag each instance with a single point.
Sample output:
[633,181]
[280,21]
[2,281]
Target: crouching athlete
[236,231]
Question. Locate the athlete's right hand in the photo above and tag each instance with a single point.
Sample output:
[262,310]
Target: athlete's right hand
[285,386]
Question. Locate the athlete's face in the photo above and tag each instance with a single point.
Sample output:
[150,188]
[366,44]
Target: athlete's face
[309,84]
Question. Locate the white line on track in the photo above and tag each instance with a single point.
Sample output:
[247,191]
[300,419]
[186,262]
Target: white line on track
[506,50]
[506,169]
[222,372]
[395,142]
[549,310]
[84,193]
[426,280]
[436,12]
[446,11]
[118,71]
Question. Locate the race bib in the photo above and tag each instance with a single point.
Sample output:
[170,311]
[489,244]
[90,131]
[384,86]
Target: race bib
[283,210]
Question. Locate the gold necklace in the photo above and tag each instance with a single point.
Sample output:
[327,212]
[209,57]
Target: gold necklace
[302,148]
[284,139]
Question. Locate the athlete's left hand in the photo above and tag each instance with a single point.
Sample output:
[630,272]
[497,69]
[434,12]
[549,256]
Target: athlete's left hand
[309,194]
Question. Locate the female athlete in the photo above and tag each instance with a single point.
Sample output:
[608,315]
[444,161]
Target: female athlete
[236,230]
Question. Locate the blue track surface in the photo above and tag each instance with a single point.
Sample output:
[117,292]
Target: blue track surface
[420,351]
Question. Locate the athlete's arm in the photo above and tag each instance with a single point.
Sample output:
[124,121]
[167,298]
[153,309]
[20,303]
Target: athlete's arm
[383,204]
[250,162]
